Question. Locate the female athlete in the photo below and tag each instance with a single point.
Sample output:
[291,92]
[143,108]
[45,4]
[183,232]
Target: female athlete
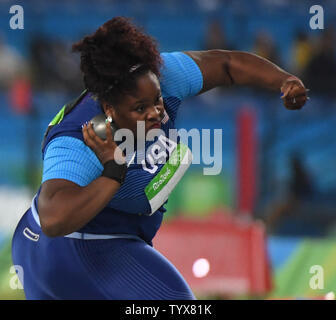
[89,231]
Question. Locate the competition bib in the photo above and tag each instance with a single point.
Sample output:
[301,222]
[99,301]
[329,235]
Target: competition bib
[160,187]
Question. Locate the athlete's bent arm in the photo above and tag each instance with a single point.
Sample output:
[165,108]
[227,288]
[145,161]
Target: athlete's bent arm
[226,68]
[64,206]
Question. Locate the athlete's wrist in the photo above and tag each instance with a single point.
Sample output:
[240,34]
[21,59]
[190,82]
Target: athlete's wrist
[115,170]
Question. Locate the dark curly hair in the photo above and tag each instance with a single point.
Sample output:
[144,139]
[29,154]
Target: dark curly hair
[109,55]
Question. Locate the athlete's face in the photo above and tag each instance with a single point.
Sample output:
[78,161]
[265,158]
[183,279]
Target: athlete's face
[145,104]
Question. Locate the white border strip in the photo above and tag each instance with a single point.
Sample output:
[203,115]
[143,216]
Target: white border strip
[34,212]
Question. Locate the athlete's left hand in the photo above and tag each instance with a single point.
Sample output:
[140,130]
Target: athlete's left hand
[294,93]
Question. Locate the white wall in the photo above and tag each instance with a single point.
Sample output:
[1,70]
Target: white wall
[13,204]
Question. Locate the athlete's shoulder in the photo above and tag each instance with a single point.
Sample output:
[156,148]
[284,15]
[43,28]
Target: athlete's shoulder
[180,75]
[69,120]
[69,158]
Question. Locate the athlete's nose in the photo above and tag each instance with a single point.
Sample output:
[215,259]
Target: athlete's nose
[155,113]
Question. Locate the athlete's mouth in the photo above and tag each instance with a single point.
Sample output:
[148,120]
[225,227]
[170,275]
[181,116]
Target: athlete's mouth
[156,125]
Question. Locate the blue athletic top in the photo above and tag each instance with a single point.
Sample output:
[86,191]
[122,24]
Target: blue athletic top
[66,156]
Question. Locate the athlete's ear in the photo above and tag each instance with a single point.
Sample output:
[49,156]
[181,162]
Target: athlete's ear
[109,110]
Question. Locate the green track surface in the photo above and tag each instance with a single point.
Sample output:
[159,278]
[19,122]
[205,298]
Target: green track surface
[292,280]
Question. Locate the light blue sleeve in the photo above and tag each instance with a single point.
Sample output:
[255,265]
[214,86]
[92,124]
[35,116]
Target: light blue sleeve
[70,159]
[180,76]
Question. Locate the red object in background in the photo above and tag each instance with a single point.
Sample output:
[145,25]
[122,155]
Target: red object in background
[20,96]
[235,249]
[247,164]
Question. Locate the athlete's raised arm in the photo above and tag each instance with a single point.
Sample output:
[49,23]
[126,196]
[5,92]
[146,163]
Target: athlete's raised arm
[226,68]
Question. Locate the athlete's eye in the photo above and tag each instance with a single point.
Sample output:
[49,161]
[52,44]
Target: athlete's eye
[158,99]
[140,108]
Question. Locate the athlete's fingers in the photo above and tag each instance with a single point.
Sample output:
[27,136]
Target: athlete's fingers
[290,84]
[296,91]
[119,155]
[109,134]
[295,103]
[285,90]
[296,97]
[93,136]
[87,139]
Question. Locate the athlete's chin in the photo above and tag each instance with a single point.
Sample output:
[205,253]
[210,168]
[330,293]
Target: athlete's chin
[152,128]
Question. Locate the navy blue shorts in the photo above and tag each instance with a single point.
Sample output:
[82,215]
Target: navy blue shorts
[67,268]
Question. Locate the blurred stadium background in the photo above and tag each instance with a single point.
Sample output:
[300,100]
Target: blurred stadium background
[255,230]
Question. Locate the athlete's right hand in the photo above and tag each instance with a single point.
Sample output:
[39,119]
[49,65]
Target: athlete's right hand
[105,150]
